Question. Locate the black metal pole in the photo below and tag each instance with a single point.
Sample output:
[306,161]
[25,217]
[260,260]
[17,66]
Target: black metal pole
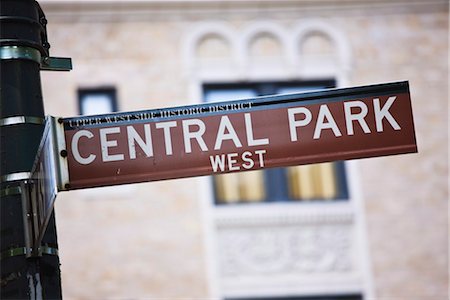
[23,43]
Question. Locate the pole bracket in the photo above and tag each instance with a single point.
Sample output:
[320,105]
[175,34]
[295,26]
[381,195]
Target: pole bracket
[20,52]
[56,64]
[10,191]
[13,252]
[47,63]
[23,251]
[21,120]
[15,176]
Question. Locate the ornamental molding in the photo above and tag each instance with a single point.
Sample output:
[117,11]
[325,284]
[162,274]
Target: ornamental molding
[283,214]
[286,250]
[138,10]
[276,247]
[289,38]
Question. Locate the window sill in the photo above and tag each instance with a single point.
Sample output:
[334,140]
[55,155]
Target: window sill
[284,212]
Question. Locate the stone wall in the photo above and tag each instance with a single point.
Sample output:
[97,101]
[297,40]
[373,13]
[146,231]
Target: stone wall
[407,196]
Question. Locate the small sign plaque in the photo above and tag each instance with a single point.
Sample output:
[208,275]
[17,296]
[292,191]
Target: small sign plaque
[45,181]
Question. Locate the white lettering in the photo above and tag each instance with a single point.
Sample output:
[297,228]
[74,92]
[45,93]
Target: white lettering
[133,137]
[324,113]
[188,135]
[249,130]
[225,125]
[293,124]
[232,161]
[105,144]
[246,157]
[167,137]
[76,154]
[261,159]
[382,113]
[218,162]
[350,117]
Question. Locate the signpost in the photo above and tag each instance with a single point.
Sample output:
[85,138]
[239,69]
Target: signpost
[24,52]
[265,132]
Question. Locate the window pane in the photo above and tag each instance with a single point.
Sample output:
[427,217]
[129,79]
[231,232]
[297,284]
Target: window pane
[276,184]
[297,89]
[316,181]
[240,187]
[227,188]
[301,182]
[92,104]
[326,181]
[251,186]
[226,95]
[95,101]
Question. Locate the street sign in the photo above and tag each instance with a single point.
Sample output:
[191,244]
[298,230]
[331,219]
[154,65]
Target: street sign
[264,132]
[45,179]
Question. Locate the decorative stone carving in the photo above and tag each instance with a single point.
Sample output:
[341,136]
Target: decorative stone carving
[285,247]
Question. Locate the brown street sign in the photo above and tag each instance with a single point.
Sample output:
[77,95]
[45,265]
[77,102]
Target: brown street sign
[264,132]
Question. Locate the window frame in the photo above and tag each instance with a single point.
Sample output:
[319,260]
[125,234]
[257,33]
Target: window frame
[110,92]
[275,177]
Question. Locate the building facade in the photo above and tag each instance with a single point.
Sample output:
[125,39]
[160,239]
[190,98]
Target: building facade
[368,229]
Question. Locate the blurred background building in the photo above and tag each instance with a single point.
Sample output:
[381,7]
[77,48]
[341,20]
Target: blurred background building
[368,229]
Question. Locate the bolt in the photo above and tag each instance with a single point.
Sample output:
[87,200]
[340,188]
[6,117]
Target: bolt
[63,153]
[67,186]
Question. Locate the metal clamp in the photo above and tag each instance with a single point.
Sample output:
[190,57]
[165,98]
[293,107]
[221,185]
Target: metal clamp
[24,251]
[13,252]
[56,64]
[47,63]
[21,120]
[48,250]
[10,191]
[20,52]
[15,176]
[32,247]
